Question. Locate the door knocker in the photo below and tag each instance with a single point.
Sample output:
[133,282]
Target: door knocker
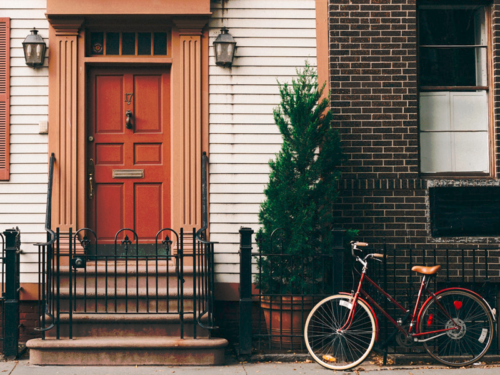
[128,120]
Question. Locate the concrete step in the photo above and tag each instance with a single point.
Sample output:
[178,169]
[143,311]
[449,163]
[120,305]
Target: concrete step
[129,299]
[127,325]
[164,275]
[123,351]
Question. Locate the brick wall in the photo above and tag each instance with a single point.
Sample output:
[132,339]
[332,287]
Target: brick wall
[28,319]
[374,96]
[373,74]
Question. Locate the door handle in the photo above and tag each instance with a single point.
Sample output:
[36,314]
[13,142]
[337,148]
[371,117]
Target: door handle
[128,121]
[91,178]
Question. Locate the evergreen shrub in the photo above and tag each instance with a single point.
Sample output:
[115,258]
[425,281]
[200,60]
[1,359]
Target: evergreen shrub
[301,191]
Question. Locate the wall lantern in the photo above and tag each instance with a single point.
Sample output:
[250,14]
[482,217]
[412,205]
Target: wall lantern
[224,48]
[34,49]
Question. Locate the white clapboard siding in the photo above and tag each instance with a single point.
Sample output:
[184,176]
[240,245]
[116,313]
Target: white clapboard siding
[236,198]
[274,38]
[23,197]
[243,129]
[242,168]
[242,99]
[23,91]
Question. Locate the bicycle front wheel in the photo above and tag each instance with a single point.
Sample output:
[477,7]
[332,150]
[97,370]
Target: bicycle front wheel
[460,347]
[340,350]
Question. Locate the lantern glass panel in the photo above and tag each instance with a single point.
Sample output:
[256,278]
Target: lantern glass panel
[34,54]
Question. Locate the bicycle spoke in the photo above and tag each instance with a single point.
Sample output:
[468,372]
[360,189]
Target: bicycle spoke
[463,346]
[339,349]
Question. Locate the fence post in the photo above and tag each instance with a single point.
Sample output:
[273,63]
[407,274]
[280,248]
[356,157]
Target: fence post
[338,268]
[245,291]
[11,335]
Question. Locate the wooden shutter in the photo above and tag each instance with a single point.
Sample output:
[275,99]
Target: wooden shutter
[4,97]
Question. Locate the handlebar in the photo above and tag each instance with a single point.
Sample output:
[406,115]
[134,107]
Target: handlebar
[354,246]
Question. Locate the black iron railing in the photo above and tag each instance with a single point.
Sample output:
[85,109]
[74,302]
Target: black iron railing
[170,275]
[205,280]
[204,262]
[45,250]
[472,266]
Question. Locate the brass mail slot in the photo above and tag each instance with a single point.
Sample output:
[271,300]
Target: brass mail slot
[128,173]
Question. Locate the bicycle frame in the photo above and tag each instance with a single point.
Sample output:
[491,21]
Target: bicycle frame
[423,286]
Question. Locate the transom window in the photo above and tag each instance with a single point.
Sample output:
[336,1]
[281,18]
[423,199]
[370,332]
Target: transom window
[128,44]
[453,78]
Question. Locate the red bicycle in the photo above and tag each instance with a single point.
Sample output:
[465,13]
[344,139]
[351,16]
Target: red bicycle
[455,325]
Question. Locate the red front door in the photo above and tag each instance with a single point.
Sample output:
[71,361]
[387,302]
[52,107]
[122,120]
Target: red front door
[130,160]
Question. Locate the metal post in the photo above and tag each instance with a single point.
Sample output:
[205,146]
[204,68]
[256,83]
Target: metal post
[338,267]
[11,338]
[245,291]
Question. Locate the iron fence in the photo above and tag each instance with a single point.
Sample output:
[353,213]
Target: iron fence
[470,266]
[171,275]
[10,248]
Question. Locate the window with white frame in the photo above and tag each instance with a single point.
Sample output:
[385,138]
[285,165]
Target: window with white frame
[453,89]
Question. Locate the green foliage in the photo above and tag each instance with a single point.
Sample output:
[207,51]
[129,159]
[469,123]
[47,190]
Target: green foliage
[301,191]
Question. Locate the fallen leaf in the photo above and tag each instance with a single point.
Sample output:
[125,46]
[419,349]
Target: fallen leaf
[329,358]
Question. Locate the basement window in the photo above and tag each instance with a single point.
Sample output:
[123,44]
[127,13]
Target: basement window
[465,211]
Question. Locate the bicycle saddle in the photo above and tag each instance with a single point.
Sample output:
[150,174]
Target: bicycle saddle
[426,270]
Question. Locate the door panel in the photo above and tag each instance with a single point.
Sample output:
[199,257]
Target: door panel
[147,103]
[109,153]
[142,204]
[109,199]
[109,104]
[148,207]
[147,153]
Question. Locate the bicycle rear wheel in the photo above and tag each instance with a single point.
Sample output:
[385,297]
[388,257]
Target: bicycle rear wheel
[457,347]
[339,350]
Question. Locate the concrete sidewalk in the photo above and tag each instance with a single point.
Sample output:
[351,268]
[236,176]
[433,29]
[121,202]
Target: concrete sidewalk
[23,367]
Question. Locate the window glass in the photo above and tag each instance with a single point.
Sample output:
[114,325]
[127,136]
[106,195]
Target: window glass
[128,43]
[96,43]
[452,47]
[144,46]
[112,43]
[447,67]
[447,26]
[160,44]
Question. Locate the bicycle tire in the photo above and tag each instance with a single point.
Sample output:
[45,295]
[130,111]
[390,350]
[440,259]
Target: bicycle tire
[339,351]
[466,346]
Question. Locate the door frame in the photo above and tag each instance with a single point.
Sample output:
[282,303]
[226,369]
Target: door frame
[68,105]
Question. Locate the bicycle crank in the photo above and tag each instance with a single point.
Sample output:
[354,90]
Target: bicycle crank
[403,340]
